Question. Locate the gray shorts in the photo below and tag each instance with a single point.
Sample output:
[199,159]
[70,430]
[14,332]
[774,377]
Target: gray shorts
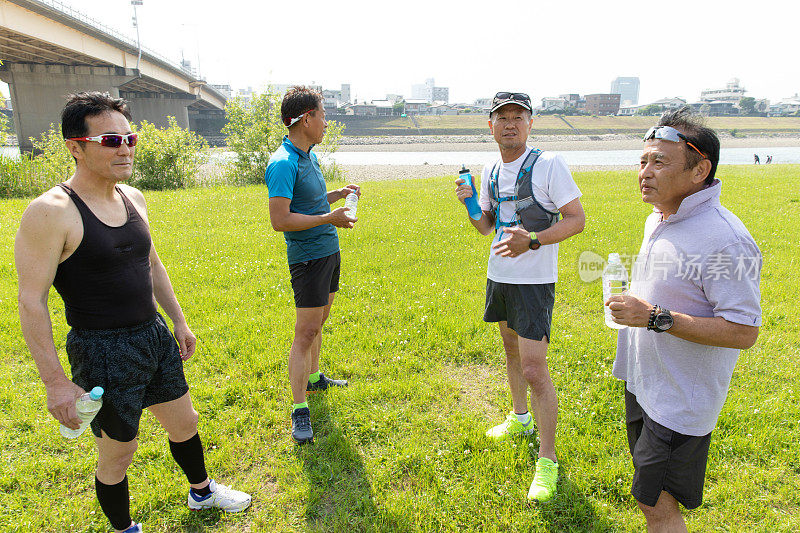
[527,309]
[137,366]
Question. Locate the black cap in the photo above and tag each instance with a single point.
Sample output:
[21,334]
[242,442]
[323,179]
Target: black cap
[504,97]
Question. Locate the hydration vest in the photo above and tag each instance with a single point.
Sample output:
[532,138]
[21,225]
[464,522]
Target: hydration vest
[528,211]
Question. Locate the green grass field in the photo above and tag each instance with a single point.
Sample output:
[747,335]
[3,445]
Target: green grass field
[402,449]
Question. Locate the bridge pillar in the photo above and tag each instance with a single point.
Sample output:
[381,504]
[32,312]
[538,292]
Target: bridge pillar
[156,107]
[38,92]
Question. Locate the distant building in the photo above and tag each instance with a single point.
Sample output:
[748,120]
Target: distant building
[657,107]
[732,92]
[430,93]
[394,98]
[364,110]
[416,106]
[716,108]
[550,103]
[628,89]
[602,104]
[787,106]
[483,103]
[442,109]
[224,89]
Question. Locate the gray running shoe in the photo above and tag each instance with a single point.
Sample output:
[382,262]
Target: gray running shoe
[301,426]
[325,382]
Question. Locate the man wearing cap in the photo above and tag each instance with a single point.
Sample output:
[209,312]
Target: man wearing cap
[299,206]
[522,197]
[693,304]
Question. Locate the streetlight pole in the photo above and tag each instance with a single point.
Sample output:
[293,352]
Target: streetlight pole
[135,3]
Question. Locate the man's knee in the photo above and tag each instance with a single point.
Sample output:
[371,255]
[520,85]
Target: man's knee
[186,427]
[306,333]
[537,375]
[665,511]
[116,459]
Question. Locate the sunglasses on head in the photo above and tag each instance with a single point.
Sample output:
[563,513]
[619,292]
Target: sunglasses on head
[289,122]
[111,140]
[668,133]
[520,97]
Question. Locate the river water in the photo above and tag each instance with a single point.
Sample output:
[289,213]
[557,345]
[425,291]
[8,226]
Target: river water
[728,156]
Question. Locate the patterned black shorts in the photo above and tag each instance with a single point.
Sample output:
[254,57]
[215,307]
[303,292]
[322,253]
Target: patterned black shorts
[137,366]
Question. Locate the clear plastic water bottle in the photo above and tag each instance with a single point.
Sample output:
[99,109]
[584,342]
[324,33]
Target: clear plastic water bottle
[351,203]
[615,281]
[87,405]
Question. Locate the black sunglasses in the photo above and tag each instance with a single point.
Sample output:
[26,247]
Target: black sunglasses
[520,97]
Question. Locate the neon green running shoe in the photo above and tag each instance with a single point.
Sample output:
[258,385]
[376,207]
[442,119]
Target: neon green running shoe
[544,480]
[510,427]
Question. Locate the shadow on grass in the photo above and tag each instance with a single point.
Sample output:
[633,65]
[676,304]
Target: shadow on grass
[569,510]
[340,494]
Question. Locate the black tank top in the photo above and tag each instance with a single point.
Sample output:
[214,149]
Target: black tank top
[106,283]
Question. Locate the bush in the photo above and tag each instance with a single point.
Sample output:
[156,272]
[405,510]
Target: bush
[27,175]
[22,177]
[255,131]
[167,158]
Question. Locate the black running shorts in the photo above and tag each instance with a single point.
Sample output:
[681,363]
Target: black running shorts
[527,309]
[313,281]
[664,459]
[138,367]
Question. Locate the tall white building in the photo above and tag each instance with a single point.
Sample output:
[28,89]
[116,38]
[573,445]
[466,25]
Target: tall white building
[430,93]
[628,89]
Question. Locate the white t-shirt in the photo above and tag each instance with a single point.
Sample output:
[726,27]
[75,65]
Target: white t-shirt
[553,187]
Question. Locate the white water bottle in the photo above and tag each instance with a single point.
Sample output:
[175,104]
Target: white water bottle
[351,203]
[615,281]
[87,405]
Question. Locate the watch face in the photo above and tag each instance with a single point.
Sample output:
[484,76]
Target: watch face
[663,321]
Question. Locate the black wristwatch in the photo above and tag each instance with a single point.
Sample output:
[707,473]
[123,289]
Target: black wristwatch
[660,319]
[534,244]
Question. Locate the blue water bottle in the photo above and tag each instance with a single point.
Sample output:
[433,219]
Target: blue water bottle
[473,208]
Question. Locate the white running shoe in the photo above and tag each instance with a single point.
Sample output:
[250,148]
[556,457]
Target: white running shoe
[135,528]
[221,497]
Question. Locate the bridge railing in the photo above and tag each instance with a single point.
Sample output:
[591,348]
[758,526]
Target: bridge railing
[80,16]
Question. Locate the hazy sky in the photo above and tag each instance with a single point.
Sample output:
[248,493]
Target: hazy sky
[544,48]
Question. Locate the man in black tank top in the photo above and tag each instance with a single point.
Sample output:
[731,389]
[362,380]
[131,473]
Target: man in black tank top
[89,238]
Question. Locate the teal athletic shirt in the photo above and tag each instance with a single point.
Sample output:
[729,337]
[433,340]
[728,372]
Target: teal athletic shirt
[295,174]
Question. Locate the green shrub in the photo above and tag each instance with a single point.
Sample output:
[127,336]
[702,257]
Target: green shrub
[23,177]
[27,175]
[254,131]
[167,158]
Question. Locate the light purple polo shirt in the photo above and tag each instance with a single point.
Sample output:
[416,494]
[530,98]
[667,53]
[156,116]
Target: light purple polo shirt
[703,262]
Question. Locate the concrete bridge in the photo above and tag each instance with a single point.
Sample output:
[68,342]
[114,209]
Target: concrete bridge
[49,50]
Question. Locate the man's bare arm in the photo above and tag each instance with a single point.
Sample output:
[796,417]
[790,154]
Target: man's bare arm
[572,223]
[283,219]
[37,252]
